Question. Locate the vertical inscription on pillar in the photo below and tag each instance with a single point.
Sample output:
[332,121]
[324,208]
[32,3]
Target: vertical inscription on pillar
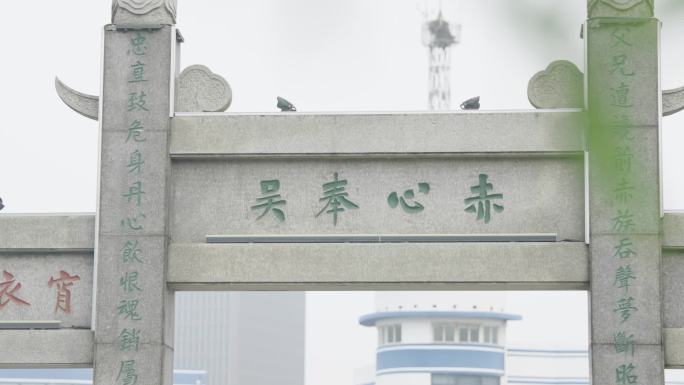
[138,89]
[131,344]
[623,96]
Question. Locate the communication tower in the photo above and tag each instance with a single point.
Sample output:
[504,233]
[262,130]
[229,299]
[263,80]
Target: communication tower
[439,35]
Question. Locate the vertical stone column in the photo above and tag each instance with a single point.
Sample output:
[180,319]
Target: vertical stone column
[623,141]
[134,309]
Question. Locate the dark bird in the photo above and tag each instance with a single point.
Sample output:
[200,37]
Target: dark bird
[1,205]
[284,105]
[471,104]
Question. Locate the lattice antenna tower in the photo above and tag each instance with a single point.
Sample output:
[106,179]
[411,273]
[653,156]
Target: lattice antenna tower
[439,35]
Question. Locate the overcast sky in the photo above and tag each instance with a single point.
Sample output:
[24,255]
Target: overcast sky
[323,55]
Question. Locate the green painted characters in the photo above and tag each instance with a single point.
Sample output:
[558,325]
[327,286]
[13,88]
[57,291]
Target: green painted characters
[481,204]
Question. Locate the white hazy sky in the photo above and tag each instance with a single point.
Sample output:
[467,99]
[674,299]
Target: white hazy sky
[323,55]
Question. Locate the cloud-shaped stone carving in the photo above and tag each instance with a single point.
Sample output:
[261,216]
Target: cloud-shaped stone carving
[561,85]
[620,8]
[200,90]
[144,11]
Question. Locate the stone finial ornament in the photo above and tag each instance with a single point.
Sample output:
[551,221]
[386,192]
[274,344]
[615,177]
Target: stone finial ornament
[620,8]
[560,85]
[144,12]
[200,90]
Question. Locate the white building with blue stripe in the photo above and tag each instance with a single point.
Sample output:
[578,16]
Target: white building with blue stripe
[449,339]
[460,338]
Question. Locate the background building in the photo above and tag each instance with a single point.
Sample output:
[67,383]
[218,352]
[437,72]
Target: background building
[448,339]
[459,338]
[241,338]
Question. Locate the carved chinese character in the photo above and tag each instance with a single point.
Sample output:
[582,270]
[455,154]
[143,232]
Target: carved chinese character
[128,308]
[138,46]
[623,343]
[620,37]
[138,72]
[127,373]
[624,375]
[135,163]
[137,102]
[63,284]
[406,200]
[621,96]
[623,222]
[270,199]
[625,308]
[133,223]
[618,64]
[130,252]
[623,159]
[135,132]
[623,192]
[623,277]
[335,196]
[129,282]
[482,202]
[7,290]
[135,192]
[624,249]
[129,340]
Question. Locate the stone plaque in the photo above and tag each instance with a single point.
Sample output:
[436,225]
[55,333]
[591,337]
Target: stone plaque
[378,196]
[47,287]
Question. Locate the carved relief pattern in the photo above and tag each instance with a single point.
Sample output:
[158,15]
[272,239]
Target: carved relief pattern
[143,7]
[200,90]
[561,85]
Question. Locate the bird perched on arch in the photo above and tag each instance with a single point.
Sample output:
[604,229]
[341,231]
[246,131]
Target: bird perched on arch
[471,104]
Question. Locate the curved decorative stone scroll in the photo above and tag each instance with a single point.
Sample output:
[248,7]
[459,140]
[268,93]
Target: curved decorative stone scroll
[200,90]
[620,8]
[144,11]
[560,85]
[673,101]
[86,105]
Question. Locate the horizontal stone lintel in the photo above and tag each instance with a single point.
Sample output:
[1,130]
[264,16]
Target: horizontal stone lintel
[381,134]
[36,349]
[393,266]
[47,232]
[673,230]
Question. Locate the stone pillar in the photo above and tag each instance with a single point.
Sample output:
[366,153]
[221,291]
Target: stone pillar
[622,40]
[134,309]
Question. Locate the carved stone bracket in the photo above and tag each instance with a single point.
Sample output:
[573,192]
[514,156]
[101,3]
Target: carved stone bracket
[86,105]
[144,11]
[673,101]
[561,85]
[200,90]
